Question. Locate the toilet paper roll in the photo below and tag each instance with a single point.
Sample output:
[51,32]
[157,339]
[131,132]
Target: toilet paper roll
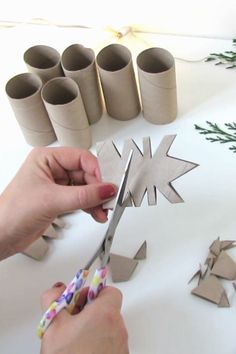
[44,61]
[24,94]
[65,108]
[118,82]
[79,64]
[157,80]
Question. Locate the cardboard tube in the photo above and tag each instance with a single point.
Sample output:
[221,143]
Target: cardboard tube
[118,82]
[79,64]
[43,61]
[24,94]
[65,108]
[156,72]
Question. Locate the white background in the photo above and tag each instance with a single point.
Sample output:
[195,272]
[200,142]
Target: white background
[160,313]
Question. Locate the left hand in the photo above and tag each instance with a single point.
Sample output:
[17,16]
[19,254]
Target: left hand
[42,190]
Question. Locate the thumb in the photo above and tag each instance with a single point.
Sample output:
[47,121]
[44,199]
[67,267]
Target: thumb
[68,198]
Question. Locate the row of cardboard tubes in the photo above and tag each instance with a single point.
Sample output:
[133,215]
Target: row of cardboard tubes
[62,95]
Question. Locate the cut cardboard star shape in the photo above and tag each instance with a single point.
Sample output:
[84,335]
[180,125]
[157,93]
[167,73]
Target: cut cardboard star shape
[149,172]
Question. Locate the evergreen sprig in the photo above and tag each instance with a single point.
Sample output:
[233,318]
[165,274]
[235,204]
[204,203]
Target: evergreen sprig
[228,58]
[217,134]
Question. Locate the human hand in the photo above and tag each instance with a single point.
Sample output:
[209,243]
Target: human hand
[98,328]
[42,190]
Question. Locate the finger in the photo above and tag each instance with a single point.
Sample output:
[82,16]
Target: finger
[51,295]
[81,302]
[81,177]
[98,213]
[110,297]
[73,159]
[68,198]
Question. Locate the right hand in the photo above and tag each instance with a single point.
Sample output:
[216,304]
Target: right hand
[98,328]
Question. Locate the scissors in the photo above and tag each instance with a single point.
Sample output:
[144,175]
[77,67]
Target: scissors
[71,294]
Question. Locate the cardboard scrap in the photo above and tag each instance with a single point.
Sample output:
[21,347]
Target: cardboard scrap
[224,267]
[224,301]
[121,267]
[37,249]
[142,252]
[210,289]
[215,247]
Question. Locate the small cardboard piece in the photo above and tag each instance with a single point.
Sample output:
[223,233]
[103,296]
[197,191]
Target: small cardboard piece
[37,249]
[79,64]
[210,289]
[224,267]
[118,82]
[224,301]
[215,247]
[142,252]
[24,94]
[59,222]
[66,111]
[50,232]
[121,267]
[157,81]
[148,173]
[43,61]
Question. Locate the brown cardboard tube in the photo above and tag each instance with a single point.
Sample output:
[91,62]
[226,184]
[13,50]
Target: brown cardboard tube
[157,80]
[24,94]
[65,108]
[79,64]
[118,82]
[43,61]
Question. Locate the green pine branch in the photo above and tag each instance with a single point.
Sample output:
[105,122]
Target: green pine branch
[216,134]
[227,58]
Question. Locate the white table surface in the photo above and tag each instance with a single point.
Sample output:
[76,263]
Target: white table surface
[160,313]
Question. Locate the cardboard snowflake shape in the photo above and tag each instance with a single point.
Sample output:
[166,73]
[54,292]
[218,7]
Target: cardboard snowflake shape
[148,173]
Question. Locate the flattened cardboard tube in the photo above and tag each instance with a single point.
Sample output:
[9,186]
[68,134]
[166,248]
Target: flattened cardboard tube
[79,64]
[43,61]
[24,94]
[157,80]
[65,107]
[118,82]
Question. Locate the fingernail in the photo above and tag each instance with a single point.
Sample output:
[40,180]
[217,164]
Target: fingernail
[58,284]
[107,191]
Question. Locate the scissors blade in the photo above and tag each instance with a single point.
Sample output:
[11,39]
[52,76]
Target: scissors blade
[116,214]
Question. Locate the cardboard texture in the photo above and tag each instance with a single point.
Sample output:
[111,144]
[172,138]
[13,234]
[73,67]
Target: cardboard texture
[65,108]
[59,222]
[50,232]
[79,64]
[215,247]
[224,267]
[24,95]
[142,252]
[121,267]
[224,301]
[43,61]
[148,173]
[37,249]
[210,289]
[157,81]
[118,82]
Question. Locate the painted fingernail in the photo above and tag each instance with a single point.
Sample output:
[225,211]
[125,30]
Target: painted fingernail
[58,284]
[107,191]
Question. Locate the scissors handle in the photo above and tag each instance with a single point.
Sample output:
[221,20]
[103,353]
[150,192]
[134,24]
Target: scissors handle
[71,294]
[66,300]
[97,284]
